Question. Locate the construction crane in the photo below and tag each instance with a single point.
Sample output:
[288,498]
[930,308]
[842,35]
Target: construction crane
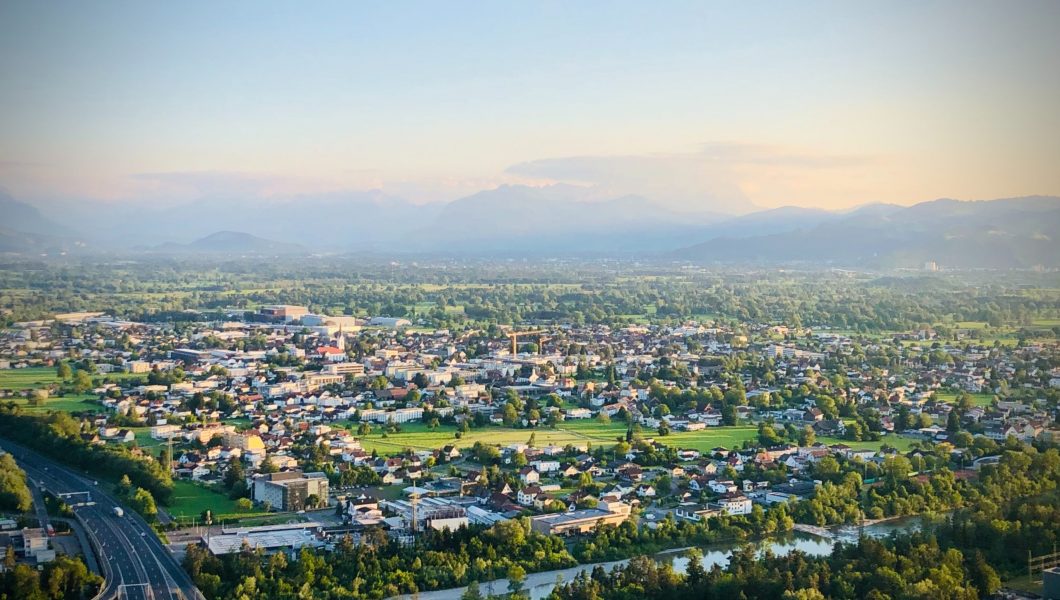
[541,339]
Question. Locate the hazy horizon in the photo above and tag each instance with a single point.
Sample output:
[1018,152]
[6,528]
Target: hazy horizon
[699,108]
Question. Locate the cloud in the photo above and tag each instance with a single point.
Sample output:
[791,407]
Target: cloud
[721,176]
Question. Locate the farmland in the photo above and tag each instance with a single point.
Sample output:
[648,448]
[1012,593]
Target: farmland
[28,378]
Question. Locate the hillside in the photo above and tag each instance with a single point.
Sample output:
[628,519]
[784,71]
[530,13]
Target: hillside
[231,242]
[24,230]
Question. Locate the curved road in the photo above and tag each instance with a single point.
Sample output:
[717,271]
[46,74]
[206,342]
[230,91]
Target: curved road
[135,563]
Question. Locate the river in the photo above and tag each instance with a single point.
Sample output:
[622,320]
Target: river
[539,585]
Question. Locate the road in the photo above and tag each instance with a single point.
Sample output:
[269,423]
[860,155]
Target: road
[75,527]
[135,563]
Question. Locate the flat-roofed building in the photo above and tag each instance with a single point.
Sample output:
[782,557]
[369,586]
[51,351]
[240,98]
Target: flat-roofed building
[269,539]
[34,543]
[430,513]
[581,521]
[344,368]
[283,312]
[291,490]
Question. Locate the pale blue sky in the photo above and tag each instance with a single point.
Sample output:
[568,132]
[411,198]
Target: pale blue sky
[811,103]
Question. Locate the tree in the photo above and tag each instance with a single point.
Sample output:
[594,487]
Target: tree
[603,418]
[234,474]
[14,493]
[144,503]
[267,466]
[64,371]
[124,485]
[516,577]
[897,468]
[82,382]
[953,422]
[983,576]
[472,592]
[509,415]
[38,397]
[244,505]
[767,436]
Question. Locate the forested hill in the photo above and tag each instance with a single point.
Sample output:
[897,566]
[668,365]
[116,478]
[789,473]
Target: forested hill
[1008,233]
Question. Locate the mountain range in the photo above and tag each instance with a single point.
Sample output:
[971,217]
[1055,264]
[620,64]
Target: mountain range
[1013,232]
[559,220]
[230,242]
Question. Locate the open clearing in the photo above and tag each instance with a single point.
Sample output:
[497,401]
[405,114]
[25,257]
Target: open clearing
[416,436]
[190,499]
[28,378]
[981,399]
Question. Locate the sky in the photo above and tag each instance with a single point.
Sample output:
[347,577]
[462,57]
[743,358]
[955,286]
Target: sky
[696,105]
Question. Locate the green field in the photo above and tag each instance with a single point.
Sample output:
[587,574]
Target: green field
[423,308]
[70,403]
[901,443]
[418,437]
[981,399]
[190,499]
[710,438]
[28,378]
[144,439]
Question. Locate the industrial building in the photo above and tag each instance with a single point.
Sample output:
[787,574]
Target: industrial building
[270,539]
[581,521]
[429,513]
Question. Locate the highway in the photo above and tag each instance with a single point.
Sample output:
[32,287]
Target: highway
[136,565]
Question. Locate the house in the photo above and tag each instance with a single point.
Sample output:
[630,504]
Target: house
[794,490]
[546,466]
[528,495]
[722,487]
[829,427]
[696,512]
[735,504]
[529,475]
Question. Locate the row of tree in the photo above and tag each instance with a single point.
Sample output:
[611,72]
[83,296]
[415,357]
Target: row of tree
[58,435]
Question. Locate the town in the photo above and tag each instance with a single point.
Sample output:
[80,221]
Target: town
[282,429]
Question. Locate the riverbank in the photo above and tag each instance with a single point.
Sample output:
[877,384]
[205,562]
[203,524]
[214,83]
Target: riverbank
[540,585]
